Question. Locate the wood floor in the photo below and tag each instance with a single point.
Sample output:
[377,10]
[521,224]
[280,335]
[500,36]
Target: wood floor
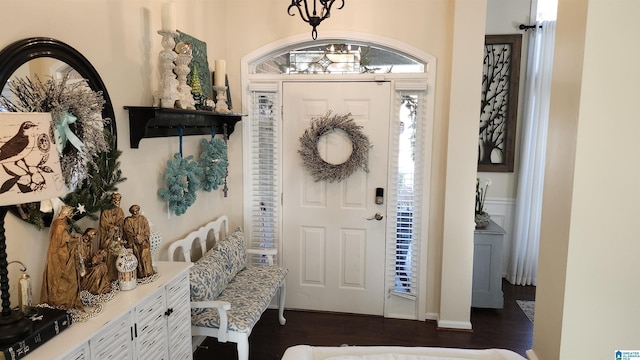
[506,328]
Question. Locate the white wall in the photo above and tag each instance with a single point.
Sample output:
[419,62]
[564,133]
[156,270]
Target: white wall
[119,38]
[455,305]
[586,303]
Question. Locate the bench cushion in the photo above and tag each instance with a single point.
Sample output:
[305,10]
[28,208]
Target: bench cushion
[208,276]
[234,251]
[211,273]
[249,294]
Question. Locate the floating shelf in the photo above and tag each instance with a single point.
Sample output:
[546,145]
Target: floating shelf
[150,122]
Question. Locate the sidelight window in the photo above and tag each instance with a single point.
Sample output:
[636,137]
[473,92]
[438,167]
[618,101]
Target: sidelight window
[405,186]
[264,157]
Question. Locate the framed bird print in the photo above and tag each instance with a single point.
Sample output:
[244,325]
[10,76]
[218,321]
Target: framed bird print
[29,162]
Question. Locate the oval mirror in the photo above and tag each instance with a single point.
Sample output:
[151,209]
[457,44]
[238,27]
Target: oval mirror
[60,59]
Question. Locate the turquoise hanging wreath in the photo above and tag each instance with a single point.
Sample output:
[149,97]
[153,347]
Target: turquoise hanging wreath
[213,161]
[182,178]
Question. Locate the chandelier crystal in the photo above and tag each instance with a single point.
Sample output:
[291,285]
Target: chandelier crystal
[315,16]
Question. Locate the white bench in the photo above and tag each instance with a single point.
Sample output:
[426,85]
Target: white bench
[227,297]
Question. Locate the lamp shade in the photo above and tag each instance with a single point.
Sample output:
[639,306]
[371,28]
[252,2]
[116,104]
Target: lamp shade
[29,161]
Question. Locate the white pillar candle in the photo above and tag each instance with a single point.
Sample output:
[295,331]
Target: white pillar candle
[169,16]
[220,70]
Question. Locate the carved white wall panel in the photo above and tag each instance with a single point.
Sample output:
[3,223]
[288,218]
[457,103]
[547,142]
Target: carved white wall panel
[502,212]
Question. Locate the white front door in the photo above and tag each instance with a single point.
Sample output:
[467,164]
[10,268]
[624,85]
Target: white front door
[335,256]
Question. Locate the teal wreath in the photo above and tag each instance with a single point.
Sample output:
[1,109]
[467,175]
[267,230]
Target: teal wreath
[213,161]
[183,179]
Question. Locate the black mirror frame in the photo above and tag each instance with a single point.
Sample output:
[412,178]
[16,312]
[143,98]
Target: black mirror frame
[16,54]
[21,51]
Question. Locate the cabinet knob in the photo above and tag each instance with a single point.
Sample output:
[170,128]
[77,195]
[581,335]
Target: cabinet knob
[168,312]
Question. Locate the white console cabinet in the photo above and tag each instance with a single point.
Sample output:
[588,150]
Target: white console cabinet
[487,267]
[152,322]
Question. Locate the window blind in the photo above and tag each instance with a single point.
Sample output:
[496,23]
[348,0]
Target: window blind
[405,188]
[264,164]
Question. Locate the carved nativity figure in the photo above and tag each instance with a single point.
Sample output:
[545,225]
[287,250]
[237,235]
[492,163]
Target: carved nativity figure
[137,233]
[61,280]
[85,248]
[97,282]
[111,224]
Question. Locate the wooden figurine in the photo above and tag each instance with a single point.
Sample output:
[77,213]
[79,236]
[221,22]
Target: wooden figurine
[97,282]
[61,281]
[111,225]
[137,233]
[85,247]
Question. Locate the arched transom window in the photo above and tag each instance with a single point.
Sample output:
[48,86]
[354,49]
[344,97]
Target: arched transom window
[337,57]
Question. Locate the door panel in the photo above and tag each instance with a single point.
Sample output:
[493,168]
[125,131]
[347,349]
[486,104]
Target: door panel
[334,254]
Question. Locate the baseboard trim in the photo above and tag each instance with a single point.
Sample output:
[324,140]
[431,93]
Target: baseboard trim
[454,325]
[531,355]
[431,316]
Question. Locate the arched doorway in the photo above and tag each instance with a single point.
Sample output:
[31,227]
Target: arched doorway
[271,75]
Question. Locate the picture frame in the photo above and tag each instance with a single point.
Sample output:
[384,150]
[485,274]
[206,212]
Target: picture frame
[499,102]
[200,63]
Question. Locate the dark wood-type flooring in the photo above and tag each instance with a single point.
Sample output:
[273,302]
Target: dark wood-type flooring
[506,328]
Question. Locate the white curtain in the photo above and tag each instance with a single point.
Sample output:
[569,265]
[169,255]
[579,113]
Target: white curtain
[523,260]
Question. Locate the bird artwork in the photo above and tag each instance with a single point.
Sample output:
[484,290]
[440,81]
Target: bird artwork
[23,159]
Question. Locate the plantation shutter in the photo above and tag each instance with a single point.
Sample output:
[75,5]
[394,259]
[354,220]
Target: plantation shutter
[264,159]
[405,192]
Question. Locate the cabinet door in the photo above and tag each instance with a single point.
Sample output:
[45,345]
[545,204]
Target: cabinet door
[114,341]
[179,319]
[151,328]
[81,353]
[487,271]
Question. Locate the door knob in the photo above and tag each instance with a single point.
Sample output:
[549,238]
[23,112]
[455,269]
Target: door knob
[378,216]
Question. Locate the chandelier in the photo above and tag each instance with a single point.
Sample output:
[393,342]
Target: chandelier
[315,17]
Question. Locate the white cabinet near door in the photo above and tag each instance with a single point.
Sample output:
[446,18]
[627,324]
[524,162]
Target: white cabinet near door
[151,322]
[487,267]
[150,328]
[179,318]
[113,341]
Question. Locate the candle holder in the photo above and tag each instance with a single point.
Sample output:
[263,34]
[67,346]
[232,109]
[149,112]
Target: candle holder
[168,93]
[221,100]
[184,90]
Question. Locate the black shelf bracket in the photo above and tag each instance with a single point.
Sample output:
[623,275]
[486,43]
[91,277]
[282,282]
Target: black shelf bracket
[150,122]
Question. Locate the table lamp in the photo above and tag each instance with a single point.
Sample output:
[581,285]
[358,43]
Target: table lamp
[29,172]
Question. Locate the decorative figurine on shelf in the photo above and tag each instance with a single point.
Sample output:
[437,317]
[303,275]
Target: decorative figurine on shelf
[137,233]
[86,244]
[111,224]
[61,281]
[96,281]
